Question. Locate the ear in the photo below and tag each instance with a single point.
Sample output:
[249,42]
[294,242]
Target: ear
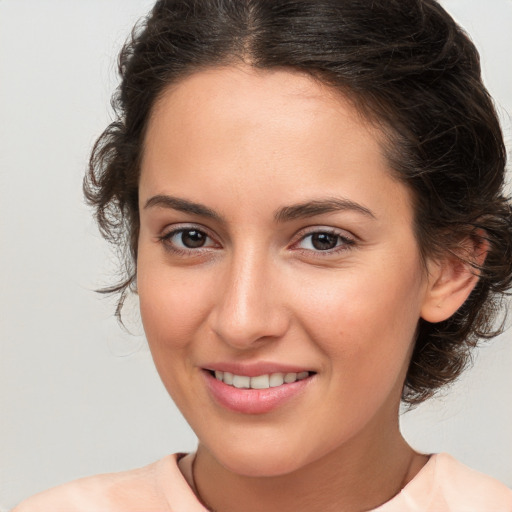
[452,278]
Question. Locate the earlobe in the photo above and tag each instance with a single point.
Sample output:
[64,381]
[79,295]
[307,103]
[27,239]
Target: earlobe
[452,279]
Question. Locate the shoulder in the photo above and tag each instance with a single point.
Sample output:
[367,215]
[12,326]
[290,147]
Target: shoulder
[127,491]
[463,488]
[446,485]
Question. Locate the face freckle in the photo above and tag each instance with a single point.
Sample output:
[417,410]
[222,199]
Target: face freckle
[309,262]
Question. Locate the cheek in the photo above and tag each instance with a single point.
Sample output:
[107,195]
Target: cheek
[172,311]
[172,302]
[365,321]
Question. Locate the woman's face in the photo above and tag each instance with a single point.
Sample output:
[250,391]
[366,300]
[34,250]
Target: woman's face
[274,240]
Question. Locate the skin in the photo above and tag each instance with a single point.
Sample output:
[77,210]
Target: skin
[245,144]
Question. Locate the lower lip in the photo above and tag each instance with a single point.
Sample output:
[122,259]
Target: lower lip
[253,401]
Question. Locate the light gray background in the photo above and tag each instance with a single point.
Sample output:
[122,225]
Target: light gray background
[78,395]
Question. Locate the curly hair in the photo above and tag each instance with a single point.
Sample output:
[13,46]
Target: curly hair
[407,67]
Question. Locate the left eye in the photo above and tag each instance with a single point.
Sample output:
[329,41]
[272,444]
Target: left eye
[323,241]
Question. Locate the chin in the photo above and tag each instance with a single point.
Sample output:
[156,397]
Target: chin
[258,460]
[261,465]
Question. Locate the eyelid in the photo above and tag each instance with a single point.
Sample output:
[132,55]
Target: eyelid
[310,230]
[348,239]
[184,226]
[171,230]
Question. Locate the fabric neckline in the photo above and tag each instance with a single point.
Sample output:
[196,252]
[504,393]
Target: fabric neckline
[181,463]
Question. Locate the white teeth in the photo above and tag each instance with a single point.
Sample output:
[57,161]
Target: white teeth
[276,379]
[290,377]
[261,381]
[241,381]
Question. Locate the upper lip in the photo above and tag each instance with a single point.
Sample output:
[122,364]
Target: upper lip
[255,369]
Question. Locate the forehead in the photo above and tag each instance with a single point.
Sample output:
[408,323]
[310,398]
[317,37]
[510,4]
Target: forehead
[244,85]
[250,130]
[241,95]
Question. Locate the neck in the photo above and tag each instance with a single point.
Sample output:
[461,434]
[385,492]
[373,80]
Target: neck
[360,475]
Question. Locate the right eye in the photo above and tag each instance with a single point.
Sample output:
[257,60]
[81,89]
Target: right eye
[184,240]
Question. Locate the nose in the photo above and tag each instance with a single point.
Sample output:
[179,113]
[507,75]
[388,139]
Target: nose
[249,310]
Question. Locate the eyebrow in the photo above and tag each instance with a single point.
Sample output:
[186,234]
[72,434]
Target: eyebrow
[182,205]
[319,207]
[284,214]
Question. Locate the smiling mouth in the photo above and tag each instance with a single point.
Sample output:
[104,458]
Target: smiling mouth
[265,381]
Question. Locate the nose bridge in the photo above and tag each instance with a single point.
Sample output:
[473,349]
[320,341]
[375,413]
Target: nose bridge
[248,308]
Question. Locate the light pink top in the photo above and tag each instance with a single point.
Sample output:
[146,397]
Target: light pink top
[442,485]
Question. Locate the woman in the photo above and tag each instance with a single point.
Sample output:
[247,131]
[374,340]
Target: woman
[311,194]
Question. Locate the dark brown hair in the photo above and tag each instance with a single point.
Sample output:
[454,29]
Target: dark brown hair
[405,64]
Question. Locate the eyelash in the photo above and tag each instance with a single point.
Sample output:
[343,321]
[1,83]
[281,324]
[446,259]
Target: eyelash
[344,242]
[166,238]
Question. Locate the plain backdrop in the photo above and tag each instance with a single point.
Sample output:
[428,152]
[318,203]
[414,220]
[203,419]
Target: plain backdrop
[78,395]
